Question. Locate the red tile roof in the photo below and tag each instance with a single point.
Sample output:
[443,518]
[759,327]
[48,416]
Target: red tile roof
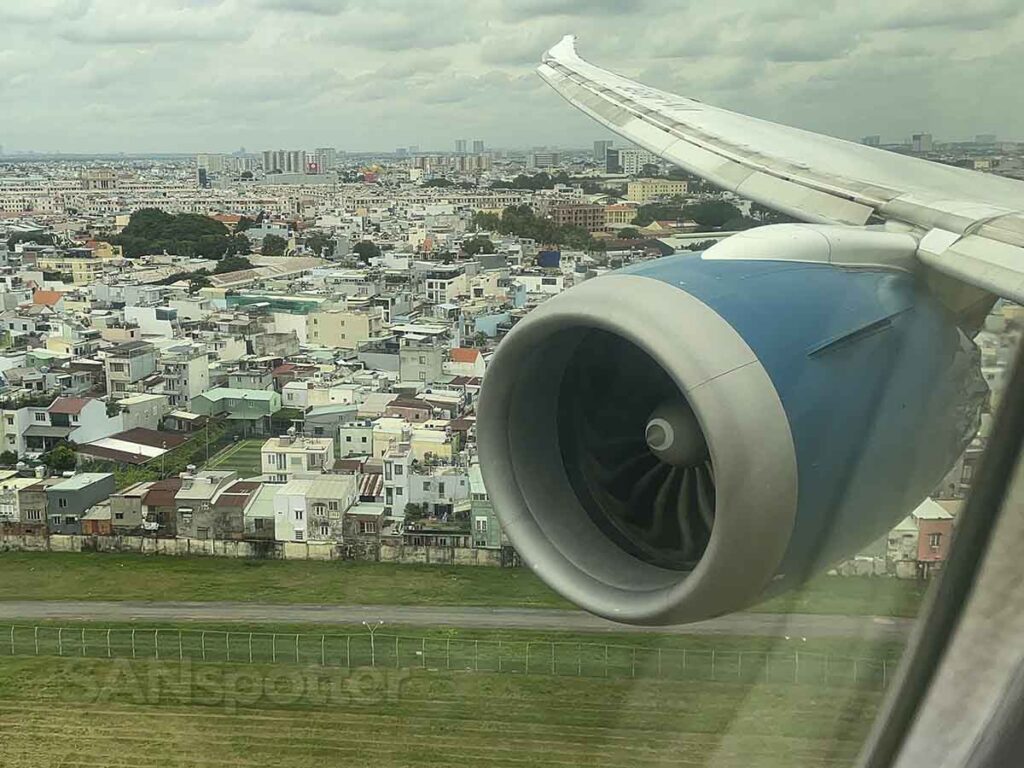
[68,405]
[465,355]
[49,298]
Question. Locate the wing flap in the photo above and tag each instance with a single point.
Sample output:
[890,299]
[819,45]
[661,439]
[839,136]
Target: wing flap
[979,261]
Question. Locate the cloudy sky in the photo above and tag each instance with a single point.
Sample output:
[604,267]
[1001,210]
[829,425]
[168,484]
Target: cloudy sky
[214,75]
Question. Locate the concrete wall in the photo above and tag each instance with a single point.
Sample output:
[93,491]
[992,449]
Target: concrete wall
[272,550]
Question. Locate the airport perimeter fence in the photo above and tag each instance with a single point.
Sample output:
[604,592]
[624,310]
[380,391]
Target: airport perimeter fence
[533,657]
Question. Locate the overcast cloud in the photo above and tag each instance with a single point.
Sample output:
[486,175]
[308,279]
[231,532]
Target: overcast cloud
[214,75]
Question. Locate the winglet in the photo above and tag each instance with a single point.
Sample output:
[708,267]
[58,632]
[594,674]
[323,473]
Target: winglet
[561,51]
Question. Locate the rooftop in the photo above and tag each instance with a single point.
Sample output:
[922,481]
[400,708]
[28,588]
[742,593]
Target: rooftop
[69,405]
[229,393]
[81,480]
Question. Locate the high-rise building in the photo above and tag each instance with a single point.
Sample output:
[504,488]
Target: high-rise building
[545,159]
[284,161]
[601,150]
[478,146]
[872,141]
[921,142]
[460,146]
[325,159]
[211,163]
[628,161]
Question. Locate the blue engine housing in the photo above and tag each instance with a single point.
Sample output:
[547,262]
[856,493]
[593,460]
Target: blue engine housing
[881,388]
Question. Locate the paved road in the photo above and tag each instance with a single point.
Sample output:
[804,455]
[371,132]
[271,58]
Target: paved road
[763,624]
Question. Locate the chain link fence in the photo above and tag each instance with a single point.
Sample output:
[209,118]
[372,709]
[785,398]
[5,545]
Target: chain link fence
[533,657]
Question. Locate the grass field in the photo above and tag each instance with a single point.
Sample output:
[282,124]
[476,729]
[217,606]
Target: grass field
[90,712]
[242,457]
[90,576]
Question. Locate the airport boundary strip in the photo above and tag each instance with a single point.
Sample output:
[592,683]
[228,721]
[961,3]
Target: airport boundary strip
[380,651]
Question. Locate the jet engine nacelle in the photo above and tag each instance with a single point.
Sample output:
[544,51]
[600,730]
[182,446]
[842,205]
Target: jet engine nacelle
[679,439]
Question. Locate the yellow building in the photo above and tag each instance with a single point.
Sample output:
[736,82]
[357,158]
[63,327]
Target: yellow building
[85,265]
[344,328]
[619,215]
[643,190]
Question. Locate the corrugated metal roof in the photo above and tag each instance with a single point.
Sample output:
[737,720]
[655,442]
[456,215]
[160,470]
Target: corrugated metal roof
[371,486]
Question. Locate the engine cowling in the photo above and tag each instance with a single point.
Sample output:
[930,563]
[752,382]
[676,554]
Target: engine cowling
[679,439]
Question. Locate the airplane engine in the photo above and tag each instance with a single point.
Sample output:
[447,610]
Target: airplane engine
[680,439]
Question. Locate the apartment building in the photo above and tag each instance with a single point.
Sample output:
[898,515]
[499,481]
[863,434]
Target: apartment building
[128,365]
[186,374]
[583,215]
[344,328]
[643,190]
[285,456]
[313,509]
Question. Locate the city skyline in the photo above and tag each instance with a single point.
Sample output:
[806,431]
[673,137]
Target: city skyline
[203,75]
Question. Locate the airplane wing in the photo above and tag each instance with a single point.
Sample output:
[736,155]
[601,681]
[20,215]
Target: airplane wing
[970,225]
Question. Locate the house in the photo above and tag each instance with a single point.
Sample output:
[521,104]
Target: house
[411,409]
[465,361]
[919,545]
[32,506]
[128,366]
[186,374]
[364,522]
[259,516]
[126,508]
[68,500]
[285,456]
[374,405]
[355,439]
[328,420]
[232,503]
[97,520]
[143,411]
[197,517]
[133,446]
[255,407]
[14,518]
[436,489]
[484,523]
[160,508]
[313,509]
[73,419]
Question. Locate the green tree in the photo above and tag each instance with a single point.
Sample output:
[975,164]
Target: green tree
[8,458]
[439,182]
[478,244]
[415,512]
[273,245]
[712,213]
[151,230]
[628,233]
[61,459]
[486,221]
[243,224]
[232,264]
[321,245]
[38,237]
[366,250]
[198,280]
[657,212]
